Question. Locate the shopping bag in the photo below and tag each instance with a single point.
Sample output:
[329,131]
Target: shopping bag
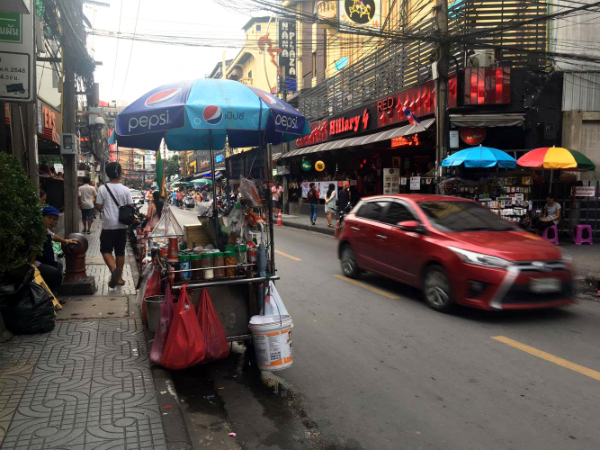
[164,324]
[212,329]
[273,305]
[185,345]
[152,288]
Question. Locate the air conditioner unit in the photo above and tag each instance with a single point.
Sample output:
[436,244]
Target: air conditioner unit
[482,58]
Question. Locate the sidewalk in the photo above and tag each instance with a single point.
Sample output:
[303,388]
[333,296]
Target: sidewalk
[86,385]
[303,223]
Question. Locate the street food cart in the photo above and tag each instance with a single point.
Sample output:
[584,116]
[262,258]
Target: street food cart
[231,250]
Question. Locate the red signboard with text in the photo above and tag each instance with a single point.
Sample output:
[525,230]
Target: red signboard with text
[487,86]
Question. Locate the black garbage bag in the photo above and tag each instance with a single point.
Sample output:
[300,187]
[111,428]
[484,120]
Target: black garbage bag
[14,284]
[32,311]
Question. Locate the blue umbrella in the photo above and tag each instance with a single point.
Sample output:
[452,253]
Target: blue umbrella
[202,114]
[480,157]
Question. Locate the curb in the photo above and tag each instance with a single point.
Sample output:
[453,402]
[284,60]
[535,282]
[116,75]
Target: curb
[299,226]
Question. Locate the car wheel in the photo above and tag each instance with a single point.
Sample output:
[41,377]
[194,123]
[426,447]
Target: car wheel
[436,289]
[348,261]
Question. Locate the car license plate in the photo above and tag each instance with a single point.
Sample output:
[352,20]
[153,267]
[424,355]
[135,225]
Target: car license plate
[544,285]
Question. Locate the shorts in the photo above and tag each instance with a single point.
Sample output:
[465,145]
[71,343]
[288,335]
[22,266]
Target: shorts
[87,214]
[113,240]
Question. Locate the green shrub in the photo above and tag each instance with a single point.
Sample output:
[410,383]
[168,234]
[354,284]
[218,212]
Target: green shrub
[22,229]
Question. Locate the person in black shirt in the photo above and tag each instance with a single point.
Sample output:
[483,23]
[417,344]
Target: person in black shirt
[313,202]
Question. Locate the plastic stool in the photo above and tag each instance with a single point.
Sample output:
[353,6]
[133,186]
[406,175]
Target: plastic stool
[554,238]
[578,233]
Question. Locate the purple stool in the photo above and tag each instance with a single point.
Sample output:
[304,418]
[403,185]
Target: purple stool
[552,237]
[579,232]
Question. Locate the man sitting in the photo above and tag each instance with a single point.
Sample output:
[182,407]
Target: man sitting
[51,269]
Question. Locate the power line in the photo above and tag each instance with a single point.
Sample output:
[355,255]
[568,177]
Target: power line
[131,48]
[112,85]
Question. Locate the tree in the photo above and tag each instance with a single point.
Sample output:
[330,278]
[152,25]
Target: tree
[21,223]
[172,167]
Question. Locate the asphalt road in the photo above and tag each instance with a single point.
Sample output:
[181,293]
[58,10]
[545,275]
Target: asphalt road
[375,368]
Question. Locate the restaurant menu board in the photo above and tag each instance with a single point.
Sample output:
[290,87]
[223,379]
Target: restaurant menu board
[391,181]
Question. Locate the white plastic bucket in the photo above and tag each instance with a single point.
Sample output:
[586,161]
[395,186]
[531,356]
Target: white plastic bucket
[272,336]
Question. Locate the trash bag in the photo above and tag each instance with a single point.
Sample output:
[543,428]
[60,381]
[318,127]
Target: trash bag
[185,345]
[212,330]
[273,304]
[152,288]
[32,312]
[164,324]
[249,192]
[14,284]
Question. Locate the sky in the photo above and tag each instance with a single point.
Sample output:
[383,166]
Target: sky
[132,71]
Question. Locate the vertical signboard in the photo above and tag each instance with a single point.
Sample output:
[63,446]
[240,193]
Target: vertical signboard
[287,57]
[16,56]
[391,181]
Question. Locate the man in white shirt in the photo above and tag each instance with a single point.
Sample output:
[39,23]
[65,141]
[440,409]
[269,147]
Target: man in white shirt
[114,233]
[87,194]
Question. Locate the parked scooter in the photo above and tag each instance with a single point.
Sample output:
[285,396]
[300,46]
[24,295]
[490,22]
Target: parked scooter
[340,220]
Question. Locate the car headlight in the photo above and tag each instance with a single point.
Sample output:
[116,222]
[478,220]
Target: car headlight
[479,259]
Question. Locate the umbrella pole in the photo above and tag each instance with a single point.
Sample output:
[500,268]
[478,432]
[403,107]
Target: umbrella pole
[212,171]
[551,176]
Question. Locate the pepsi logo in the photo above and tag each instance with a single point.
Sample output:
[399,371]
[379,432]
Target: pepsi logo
[160,98]
[212,114]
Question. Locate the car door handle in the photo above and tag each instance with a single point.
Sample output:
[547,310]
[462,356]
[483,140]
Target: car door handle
[380,236]
[355,228]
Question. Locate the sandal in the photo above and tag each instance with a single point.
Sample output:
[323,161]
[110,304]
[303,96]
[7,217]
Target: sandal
[114,277]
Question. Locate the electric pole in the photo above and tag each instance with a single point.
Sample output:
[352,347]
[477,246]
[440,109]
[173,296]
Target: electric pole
[69,126]
[441,84]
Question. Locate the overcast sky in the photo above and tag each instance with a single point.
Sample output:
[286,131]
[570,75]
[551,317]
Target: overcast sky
[154,64]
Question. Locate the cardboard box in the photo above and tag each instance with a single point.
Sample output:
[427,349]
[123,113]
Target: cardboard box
[196,235]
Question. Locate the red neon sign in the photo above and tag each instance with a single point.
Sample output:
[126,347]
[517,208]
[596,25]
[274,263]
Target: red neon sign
[406,141]
[487,86]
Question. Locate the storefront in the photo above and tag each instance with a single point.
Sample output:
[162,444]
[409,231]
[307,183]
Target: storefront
[375,147]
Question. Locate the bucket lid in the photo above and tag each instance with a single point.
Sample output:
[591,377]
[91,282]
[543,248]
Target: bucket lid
[183,256]
[268,320]
[195,256]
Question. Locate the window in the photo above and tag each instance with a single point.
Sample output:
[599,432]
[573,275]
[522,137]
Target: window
[463,216]
[371,210]
[397,213]
[250,74]
[258,27]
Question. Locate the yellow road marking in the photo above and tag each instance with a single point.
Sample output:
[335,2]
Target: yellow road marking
[548,357]
[366,286]
[287,256]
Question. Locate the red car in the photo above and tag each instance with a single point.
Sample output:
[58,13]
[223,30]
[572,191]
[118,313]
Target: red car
[455,251]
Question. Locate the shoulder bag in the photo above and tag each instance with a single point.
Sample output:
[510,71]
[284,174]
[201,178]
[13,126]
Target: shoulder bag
[126,212]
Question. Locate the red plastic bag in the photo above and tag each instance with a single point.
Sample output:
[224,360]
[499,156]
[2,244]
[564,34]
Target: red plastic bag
[212,329]
[164,324]
[152,288]
[185,345]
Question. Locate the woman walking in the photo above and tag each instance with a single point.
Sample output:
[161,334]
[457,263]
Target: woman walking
[330,204]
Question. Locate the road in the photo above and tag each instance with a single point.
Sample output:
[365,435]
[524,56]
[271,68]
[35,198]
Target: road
[375,368]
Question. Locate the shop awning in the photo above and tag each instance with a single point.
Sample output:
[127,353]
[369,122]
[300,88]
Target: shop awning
[206,172]
[362,140]
[487,120]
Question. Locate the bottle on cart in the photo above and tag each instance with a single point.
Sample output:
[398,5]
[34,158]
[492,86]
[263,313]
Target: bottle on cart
[219,261]
[196,263]
[184,264]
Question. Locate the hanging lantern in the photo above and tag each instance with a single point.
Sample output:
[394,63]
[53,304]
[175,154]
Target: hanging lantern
[320,166]
[306,165]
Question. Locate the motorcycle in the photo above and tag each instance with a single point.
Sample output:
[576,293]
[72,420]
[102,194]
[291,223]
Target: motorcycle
[136,229]
[340,220]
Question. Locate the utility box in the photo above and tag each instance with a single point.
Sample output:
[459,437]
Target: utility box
[68,144]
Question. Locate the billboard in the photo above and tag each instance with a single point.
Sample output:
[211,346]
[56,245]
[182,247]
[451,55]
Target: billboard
[360,13]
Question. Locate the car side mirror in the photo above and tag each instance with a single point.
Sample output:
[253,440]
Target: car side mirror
[409,225]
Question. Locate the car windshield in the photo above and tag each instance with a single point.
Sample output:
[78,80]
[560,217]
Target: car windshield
[457,216]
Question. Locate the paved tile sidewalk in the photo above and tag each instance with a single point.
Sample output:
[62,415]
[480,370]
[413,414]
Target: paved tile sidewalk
[83,386]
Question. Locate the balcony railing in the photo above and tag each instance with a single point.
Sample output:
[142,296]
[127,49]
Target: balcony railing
[246,81]
[400,65]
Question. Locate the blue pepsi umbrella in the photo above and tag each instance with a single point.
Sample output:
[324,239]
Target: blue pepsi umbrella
[202,114]
[480,157]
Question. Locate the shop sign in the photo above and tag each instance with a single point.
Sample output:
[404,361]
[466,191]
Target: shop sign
[415,183]
[287,44]
[584,191]
[360,13]
[487,86]
[219,158]
[11,27]
[319,132]
[473,136]
[49,122]
[204,164]
[352,124]
[406,141]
